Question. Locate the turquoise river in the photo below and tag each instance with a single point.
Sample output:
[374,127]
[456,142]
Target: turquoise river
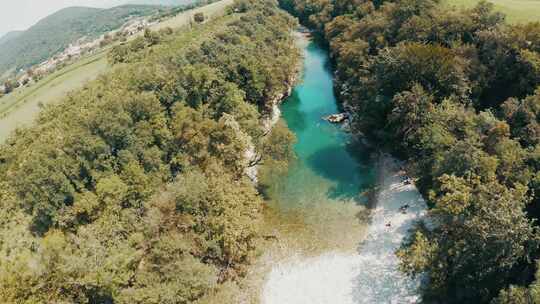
[336,249]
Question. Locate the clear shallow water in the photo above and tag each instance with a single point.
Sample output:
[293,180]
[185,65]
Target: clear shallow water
[342,265]
[330,165]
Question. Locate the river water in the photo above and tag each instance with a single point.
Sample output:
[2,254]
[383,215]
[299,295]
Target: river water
[336,249]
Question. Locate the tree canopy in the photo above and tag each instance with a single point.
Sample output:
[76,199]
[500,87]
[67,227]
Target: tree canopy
[133,189]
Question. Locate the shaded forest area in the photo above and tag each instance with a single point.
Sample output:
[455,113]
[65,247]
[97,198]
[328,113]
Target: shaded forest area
[456,93]
[133,189]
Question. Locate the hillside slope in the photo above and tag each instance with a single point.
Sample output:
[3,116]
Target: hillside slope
[10,35]
[55,32]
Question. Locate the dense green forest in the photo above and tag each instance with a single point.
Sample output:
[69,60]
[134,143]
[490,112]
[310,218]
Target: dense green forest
[54,33]
[133,189]
[456,93]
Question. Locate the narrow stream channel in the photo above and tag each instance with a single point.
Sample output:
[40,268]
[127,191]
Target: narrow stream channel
[345,252]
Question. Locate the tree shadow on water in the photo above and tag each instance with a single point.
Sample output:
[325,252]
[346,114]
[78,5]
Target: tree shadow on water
[295,119]
[336,164]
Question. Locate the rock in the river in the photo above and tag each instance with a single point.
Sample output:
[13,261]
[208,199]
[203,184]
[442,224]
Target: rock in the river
[337,118]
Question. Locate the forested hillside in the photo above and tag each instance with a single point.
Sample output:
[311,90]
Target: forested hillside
[54,33]
[457,94]
[133,189]
[10,35]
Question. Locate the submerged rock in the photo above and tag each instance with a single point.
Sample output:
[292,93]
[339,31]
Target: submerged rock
[346,126]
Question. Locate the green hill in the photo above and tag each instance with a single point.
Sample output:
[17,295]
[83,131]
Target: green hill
[55,32]
[10,35]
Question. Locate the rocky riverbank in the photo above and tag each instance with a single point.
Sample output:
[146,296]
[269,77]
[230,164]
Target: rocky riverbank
[270,119]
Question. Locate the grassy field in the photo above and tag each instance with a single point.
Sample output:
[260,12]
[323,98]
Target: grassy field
[517,11]
[55,81]
[22,106]
[211,10]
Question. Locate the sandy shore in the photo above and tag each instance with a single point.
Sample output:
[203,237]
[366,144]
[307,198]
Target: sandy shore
[369,275]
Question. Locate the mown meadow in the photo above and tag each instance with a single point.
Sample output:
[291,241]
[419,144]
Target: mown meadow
[517,11]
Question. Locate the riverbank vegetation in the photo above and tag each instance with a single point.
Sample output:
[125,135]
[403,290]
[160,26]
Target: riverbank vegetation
[456,93]
[133,189]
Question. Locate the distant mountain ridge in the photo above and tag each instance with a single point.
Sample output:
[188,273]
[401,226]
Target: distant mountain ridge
[54,33]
